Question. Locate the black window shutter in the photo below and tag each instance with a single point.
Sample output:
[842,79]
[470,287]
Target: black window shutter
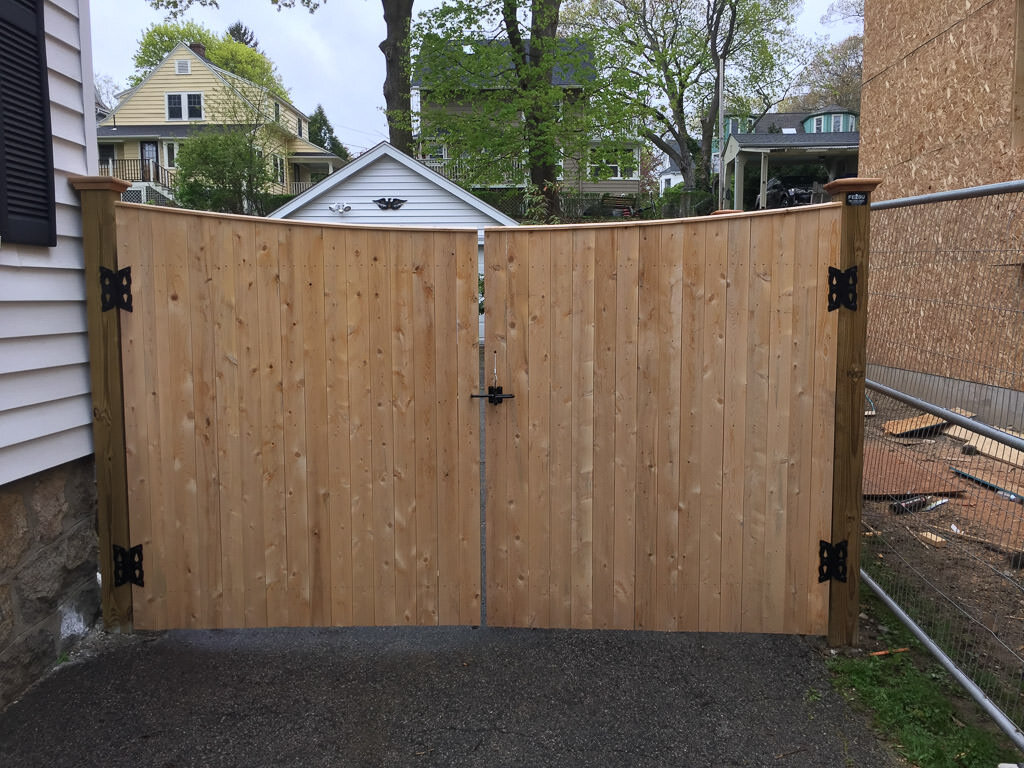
[27,208]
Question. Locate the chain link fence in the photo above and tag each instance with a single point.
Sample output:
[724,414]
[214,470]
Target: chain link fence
[944,493]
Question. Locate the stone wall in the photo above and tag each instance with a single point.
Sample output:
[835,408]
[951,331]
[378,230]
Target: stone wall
[49,596]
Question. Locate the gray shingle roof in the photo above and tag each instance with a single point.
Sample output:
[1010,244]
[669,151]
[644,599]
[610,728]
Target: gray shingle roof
[797,140]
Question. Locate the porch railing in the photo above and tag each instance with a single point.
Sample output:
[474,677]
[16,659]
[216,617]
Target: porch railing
[297,187]
[138,170]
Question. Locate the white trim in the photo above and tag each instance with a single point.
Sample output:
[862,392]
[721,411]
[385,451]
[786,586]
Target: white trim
[183,67]
[384,149]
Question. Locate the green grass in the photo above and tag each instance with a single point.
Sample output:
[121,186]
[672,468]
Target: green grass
[917,705]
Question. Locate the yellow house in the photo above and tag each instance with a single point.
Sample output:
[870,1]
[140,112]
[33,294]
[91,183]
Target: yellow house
[139,139]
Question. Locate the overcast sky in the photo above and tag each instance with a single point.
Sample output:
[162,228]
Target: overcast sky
[330,57]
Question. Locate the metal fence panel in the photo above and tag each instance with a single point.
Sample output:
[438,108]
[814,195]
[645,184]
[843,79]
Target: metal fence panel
[943,513]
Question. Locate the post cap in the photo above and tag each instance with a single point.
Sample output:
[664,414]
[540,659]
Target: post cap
[842,186]
[98,183]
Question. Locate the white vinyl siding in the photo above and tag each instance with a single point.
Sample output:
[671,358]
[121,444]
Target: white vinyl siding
[45,409]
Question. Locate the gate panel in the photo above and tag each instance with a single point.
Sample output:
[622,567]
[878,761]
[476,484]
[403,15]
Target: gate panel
[301,445]
[666,461]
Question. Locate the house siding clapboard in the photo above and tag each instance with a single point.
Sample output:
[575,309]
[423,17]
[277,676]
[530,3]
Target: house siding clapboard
[45,408]
[428,205]
[149,100]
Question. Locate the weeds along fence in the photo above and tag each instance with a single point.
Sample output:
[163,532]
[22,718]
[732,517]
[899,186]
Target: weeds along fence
[944,455]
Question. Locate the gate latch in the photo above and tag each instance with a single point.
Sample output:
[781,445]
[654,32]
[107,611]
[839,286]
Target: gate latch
[494,394]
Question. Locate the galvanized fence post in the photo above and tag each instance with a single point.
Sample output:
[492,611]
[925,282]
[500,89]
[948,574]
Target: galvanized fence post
[848,293]
[99,234]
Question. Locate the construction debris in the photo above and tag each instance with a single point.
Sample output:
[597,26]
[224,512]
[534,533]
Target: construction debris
[987,446]
[992,482]
[919,425]
[893,473]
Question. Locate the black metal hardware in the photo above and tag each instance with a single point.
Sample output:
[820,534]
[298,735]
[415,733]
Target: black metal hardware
[832,561]
[116,289]
[494,395]
[392,203]
[128,566]
[842,288]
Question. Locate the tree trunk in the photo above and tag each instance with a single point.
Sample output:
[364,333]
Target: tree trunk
[397,79]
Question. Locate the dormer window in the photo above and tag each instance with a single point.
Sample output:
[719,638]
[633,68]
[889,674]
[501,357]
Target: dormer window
[183,67]
[819,124]
[837,123]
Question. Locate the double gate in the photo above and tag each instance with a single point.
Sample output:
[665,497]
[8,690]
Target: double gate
[303,447]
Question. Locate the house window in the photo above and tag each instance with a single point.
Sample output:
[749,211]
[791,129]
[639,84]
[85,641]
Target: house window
[184,106]
[279,169]
[170,153]
[183,67]
[300,128]
[837,123]
[819,124]
[27,208]
[277,112]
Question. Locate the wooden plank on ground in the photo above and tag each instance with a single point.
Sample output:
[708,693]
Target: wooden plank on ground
[989,447]
[918,424]
[890,471]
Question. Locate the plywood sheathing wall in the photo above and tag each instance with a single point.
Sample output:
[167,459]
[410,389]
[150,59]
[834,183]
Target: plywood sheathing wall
[937,100]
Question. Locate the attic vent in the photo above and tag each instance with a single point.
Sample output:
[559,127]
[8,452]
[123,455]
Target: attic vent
[183,67]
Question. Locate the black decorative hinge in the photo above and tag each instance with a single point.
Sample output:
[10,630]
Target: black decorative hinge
[116,289]
[832,561]
[128,566]
[842,288]
[494,395]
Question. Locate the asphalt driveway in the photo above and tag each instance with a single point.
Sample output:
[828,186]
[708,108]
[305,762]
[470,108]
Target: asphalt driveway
[439,697]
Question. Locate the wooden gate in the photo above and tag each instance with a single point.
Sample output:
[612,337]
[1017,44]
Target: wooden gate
[301,448]
[300,445]
[666,462]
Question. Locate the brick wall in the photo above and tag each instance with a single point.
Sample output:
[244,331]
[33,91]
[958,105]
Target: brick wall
[48,560]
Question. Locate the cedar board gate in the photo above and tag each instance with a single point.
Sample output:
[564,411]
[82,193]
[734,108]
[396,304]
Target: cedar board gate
[302,444]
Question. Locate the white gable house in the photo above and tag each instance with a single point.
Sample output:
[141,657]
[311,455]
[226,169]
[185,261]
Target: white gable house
[388,188]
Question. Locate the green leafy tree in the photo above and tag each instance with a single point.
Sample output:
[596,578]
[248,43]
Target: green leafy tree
[512,98]
[223,171]
[395,47]
[321,133]
[160,39]
[833,76]
[664,57]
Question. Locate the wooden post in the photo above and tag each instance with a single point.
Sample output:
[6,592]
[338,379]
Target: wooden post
[848,451]
[99,234]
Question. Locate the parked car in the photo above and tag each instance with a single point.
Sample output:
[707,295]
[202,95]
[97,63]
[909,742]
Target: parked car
[783,195]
